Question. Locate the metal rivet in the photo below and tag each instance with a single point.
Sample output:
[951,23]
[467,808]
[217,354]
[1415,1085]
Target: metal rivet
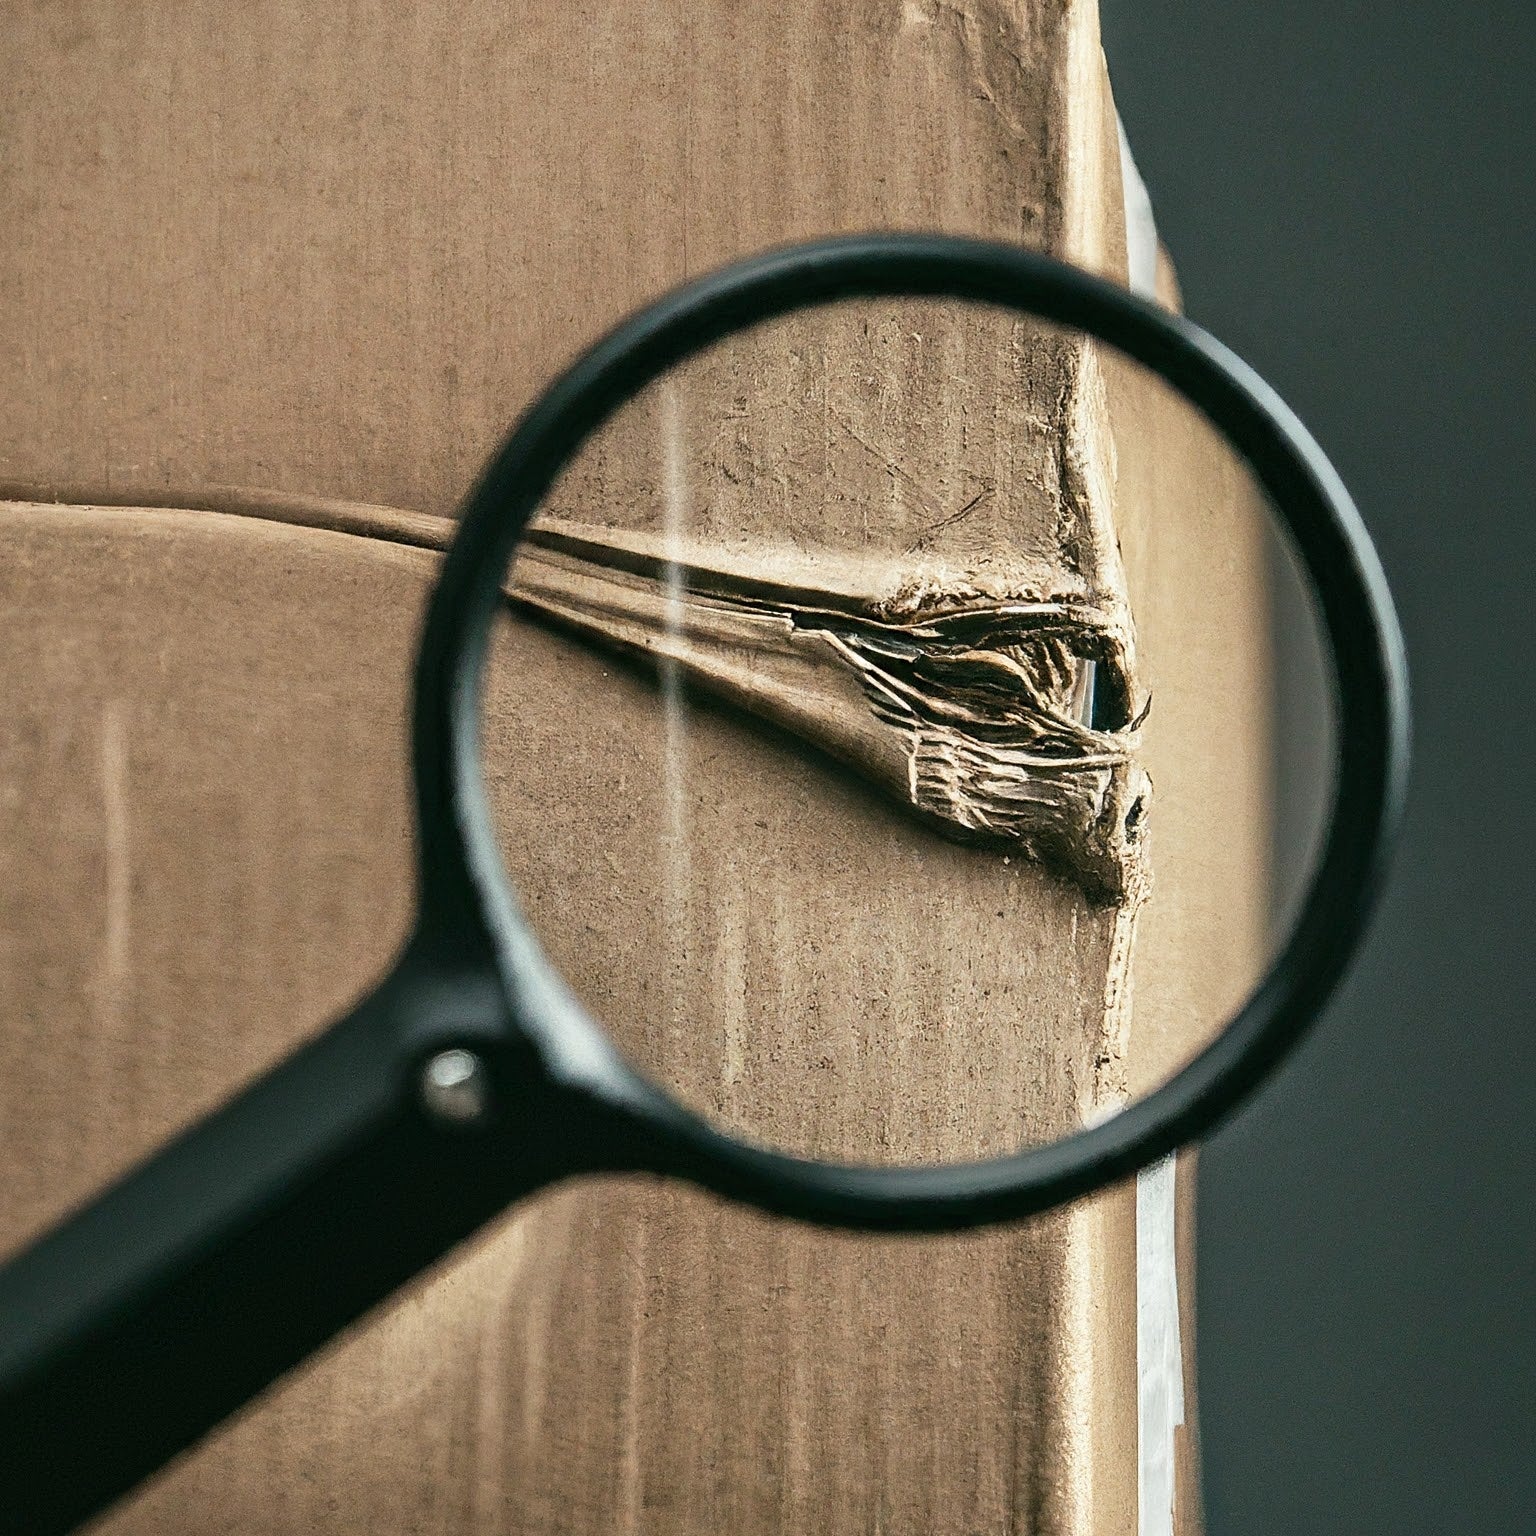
[455,1087]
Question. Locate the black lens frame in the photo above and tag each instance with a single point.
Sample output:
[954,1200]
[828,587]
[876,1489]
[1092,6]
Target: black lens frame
[465,888]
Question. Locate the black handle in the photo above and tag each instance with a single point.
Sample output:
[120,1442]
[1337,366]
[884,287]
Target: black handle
[137,1325]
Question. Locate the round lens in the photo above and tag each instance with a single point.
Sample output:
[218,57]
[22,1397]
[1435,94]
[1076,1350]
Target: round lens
[908,731]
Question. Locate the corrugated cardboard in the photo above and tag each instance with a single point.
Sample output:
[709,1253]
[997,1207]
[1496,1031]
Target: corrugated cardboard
[331,256]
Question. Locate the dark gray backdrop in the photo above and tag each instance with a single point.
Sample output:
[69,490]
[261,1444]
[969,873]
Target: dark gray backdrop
[1347,189]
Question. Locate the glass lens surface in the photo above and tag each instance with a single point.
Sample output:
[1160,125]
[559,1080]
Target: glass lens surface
[908,731]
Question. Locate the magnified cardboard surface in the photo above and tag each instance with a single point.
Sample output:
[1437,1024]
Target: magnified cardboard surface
[333,257]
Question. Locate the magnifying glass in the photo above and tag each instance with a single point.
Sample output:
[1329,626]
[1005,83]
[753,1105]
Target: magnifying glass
[855,549]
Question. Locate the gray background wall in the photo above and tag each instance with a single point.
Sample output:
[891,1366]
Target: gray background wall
[1348,191]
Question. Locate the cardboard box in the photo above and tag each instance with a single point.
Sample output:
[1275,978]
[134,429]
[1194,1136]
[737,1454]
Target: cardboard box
[276,281]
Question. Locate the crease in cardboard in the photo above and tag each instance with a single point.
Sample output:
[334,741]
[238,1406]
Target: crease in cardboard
[1012,723]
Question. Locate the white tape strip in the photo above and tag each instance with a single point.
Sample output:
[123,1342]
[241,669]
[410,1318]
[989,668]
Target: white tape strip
[1140,226]
[1159,1349]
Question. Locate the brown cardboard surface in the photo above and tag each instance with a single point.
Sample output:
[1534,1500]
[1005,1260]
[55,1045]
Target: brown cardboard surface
[331,256]
[818,1374]
[333,253]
